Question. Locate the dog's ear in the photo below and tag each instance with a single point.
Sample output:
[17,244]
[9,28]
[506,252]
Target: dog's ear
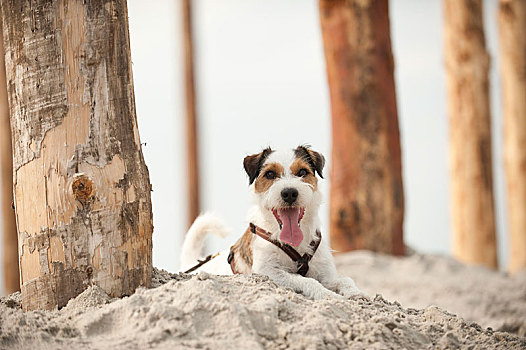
[315,159]
[254,163]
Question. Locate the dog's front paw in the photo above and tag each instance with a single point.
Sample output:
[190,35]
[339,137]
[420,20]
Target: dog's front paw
[324,293]
[348,288]
[353,292]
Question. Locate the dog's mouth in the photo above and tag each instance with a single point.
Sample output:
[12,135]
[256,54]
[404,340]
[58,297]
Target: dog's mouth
[289,219]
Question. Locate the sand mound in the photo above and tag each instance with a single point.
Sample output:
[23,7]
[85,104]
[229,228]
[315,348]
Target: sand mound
[490,298]
[251,312]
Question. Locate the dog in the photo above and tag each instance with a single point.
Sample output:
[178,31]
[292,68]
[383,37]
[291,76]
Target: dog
[283,240]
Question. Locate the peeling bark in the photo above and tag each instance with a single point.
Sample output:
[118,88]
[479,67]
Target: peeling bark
[10,246]
[367,197]
[467,64]
[512,25]
[82,189]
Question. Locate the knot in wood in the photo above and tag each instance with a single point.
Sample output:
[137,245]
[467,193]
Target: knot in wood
[82,188]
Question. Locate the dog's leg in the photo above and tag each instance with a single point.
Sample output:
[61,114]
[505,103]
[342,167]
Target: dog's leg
[307,286]
[344,286]
[325,272]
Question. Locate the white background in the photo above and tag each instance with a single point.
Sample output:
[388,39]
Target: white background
[261,81]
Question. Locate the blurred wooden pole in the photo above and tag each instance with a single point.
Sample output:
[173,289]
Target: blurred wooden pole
[512,29]
[467,64]
[10,240]
[82,189]
[367,197]
[191,116]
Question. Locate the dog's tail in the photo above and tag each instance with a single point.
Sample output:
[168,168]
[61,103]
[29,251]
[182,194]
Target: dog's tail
[194,240]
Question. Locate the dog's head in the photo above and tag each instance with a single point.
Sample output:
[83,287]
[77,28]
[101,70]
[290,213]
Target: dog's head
[285,185]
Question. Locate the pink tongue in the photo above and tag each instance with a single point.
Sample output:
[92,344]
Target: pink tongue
[291,232]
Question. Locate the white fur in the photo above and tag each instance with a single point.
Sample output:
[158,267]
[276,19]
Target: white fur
[193,244]
[321,280]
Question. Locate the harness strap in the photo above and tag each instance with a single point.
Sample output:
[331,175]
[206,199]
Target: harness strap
[301,260]
[201,262]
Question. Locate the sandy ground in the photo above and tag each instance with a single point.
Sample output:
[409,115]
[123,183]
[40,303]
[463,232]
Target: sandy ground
[211,312]
[490,298]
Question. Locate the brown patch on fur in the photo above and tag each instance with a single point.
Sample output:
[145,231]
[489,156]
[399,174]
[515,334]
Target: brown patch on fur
[315,159]
[254,163]
[299,164]
[262,183]
[242,250]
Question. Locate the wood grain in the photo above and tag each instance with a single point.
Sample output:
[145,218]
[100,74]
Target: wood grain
[9,234]
[367,197]
[82,189]
[467,64]
[512,30]
[192,147]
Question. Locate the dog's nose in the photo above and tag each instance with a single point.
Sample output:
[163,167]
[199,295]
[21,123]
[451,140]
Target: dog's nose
[289,195]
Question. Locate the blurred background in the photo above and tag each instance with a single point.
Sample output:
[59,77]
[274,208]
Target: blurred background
[260,81]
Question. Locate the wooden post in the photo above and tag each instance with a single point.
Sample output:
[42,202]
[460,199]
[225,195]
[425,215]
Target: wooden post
[10,246]
[367,197]
[512,25]
[467,64]
[82,190]
[191,116]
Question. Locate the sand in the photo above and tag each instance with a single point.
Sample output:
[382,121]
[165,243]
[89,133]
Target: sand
[490,298]
[251,312]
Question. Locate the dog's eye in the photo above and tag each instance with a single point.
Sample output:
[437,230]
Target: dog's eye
[270,175]
[303,173]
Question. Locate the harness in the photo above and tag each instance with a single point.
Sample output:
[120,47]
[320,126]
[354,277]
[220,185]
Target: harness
[302,261]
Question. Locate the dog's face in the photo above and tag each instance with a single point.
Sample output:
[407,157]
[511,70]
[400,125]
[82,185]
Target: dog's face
[286,185]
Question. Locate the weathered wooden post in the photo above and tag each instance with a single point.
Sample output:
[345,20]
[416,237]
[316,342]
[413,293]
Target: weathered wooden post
[9,241]
[467,64]
[191,115]
[82,190]
[512,28]
[367,197]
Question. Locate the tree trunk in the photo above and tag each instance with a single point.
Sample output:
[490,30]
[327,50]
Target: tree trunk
[191,117]
[512,25]
[10,246]
[367,198]
[467,64]
[82,191]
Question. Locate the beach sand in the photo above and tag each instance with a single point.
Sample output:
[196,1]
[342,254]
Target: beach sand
[251,312]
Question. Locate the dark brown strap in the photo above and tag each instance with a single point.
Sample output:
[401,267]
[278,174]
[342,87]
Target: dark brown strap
[201,263]
[301,260]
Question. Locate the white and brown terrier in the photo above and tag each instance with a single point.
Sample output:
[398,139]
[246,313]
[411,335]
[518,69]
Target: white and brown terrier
[283,240]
